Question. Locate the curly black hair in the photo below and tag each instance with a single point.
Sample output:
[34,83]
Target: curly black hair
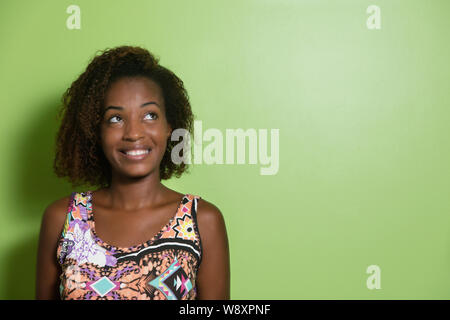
[79,155]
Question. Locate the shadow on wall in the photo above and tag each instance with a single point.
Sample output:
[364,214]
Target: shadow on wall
[20,269]
[35,188]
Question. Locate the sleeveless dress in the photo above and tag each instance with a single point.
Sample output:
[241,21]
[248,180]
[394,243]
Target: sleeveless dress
[163,268]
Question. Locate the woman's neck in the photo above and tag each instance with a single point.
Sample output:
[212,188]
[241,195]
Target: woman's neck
[132,195]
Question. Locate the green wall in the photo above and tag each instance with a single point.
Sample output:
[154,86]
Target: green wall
[363,117]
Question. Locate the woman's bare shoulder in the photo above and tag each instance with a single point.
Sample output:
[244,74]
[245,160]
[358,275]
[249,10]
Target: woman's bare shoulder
[213,279]
[207,208]
[210,217]
[55,213]
[59,205]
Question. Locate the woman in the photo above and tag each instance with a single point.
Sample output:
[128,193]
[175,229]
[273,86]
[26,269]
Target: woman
[133,238]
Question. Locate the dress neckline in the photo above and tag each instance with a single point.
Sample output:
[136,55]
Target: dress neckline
[110,247]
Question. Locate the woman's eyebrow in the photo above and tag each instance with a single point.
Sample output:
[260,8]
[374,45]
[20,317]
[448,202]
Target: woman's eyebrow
[142,105]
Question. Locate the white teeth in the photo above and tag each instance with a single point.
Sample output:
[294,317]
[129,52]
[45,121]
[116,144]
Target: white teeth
[136,152]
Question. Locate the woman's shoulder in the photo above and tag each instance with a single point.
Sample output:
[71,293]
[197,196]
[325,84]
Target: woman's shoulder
[59,206]
[206,208]
[54,217]
[209,217]
[56,211]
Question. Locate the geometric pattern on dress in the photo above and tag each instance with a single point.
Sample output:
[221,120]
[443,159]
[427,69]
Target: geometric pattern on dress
[173,283]
[184,228]
[103,286]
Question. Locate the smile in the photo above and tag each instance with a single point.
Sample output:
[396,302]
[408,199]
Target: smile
[136,154]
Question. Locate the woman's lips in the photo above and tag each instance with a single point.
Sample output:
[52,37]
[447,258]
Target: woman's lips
[136,154]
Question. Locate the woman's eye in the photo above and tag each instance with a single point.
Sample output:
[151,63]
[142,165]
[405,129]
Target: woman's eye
[113,118]
[153,115]
[149,116]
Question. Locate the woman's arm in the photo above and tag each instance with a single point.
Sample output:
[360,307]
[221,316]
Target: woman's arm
[213,278]
[47,271]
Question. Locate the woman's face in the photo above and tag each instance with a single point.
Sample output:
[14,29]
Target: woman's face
[134,129]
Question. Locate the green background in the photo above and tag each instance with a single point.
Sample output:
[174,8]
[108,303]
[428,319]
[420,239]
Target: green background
[363,115]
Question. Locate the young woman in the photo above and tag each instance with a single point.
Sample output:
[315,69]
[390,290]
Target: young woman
[132,238]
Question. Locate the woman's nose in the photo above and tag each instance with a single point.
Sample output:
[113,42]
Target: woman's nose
[133,130]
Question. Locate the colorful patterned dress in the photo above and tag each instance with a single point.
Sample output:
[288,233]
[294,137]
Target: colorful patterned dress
[163,268]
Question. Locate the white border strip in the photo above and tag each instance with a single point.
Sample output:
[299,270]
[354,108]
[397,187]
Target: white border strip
[157,246]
